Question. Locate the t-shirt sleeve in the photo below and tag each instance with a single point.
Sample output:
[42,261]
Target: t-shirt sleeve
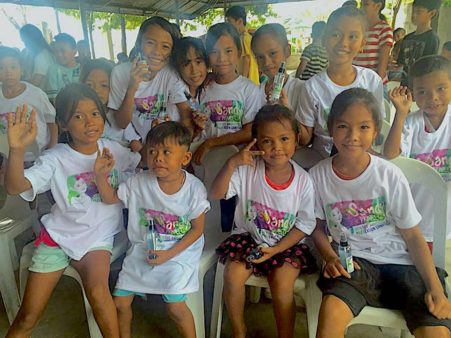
[401,206]
[42,63]
[378,91]
[199,202]
[47,108]
[305,113]
[432,44]
[235,183]
[246,45]
[254,100]
[305,219]
[52,82]
[119,84]
[130,133]
[307,53]
[125,159]
[176,89]
[386,36]
[40,176]
[407,138]
[319,211]
[124,190]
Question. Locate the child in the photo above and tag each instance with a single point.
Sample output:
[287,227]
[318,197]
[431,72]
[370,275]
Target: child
[15,93]
[149,89]
[378,39]
[247,67]
[80,228]
[369,200]
[191,62]
[398,35]
[67,70]
[230,101]
[343,39]
[96,74]
[446,50]
[424,41]
[314,56]
[425,134]
[175,203]
[275,211]
[271,48]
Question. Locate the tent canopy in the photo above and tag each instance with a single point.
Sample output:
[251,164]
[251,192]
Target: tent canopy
[183,9]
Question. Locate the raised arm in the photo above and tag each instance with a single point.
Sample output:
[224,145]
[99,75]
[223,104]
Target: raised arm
[22,132]
[402,100]
[102,167]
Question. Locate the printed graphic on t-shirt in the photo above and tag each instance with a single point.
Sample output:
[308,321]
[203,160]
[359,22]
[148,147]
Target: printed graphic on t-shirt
[413,49]
[225,114]
[4,120]
[170,227]
[82,187]
[150,107]
[358,217]
[325,115]
[439,159]
[271,223]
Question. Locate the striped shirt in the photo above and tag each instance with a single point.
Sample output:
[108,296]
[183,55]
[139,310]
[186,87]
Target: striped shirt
[377,36]
[316,57]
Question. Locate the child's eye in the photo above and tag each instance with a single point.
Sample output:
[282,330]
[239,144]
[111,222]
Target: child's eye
[421,92]
[96,114]
[273,53]
[167,47]
[441,89]
[77,116]
[340,126]
[266,141]
[229,51]
[167,152]
[364,126]
[106,86]
[285,138]
[151,152]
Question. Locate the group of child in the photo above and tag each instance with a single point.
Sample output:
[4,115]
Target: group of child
[164,100]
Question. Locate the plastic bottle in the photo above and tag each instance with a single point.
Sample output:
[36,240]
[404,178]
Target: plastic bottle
[278,84]
[256,253]
[345,254]
[152,239]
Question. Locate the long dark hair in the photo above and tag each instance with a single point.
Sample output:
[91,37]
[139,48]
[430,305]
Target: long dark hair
[33,39]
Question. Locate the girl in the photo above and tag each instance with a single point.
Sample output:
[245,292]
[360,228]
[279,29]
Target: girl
[231,101]
[369,200]
[80,228]
[270,47]
[275,211]
[343,39]
[148,88]
[190,60]
[379,39]
[96,74]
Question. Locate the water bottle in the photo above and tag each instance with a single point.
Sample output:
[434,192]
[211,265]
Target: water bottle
[344,252]
[278,84]
[152,240]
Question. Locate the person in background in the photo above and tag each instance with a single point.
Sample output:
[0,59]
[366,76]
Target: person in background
[247,67]
[378,39]
[398,35]
[38,56]
[446,50]
[314,56]
[67,70]
[122,58]
[424,41]
[84,54]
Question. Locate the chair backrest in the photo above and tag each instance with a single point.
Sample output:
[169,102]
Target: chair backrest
[307,157]
[420,173]
[387,107]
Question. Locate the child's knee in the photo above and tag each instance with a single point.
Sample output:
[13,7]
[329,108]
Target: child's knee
[336,310]
[98,293]
[235,274]
[123,304]
[178,312]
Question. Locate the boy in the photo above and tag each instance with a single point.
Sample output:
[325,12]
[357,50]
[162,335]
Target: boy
[15,93]
[314,56]
[398,35]
[67,70]
[236,16]
[446,50]
[174,203]
[424,41]
[426,134]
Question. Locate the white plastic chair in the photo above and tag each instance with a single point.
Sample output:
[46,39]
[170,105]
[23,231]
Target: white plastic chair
[420,173]
[378,144]
[388,112]
[119,248]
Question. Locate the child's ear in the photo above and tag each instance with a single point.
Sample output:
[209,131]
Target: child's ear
[288,51]
[187,158]
[433,13]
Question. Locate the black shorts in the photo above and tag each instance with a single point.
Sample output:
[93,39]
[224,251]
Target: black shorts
[390,286]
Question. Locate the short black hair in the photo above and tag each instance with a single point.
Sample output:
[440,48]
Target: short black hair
[237,12]
[318,29]
[399,29]
[169,130]
[274,113]
[428,4]
[447,45]
[66,38]
[10,52]
[220,29]
[428,64]
[276,30]
[349,97]
[88,67]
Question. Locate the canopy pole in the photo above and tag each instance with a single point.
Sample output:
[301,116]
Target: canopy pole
[177,13]
[84,24]
[57,17]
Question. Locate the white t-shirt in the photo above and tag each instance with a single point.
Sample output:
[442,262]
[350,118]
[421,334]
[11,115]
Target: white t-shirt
[435,150]
[317,96]
[35,98]
[164,91]
[172,215]
[42,62]
[269,214]
[230,106]
[112,131]
[293,89]
[78,220]
[369,208]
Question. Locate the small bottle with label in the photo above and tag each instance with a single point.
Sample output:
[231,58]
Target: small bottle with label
[152,238]
[345,254]
[278,84]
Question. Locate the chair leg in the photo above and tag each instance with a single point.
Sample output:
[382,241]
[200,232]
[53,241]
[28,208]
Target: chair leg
[8,286]
[312,297]
[217,307]
[195,302]
[254,294]
[13,253]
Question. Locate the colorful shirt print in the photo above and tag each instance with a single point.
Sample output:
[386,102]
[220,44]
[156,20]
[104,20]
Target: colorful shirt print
[439,159]
[270,223]
[170,227]
[225,114]
[82,187]
[150,107]
[359,217]
[3,123]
